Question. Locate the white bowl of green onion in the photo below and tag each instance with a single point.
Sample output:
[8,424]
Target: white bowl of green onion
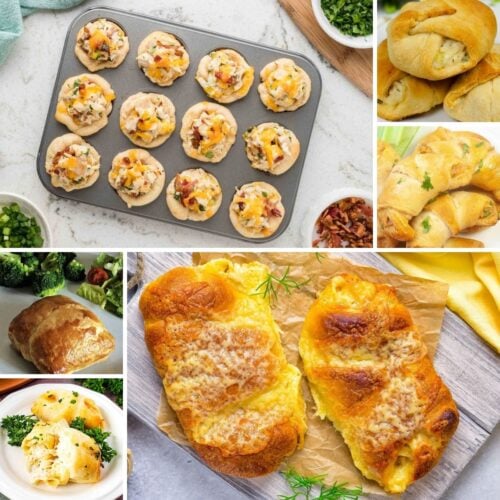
[348,22]
[22,225]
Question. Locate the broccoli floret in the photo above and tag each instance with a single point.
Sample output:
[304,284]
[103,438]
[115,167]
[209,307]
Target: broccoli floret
[46,283]
[68,257]
[31,263]
[12,270]
[54,262]
[74,271]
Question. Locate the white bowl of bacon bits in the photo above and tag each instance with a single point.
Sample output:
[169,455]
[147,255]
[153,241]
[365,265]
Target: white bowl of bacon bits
[341,219]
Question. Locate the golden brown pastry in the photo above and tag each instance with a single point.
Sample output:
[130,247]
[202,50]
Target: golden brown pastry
[443,160]
[400,94]
[436,39]
[59,335]
[370,374]
[84,103]
[214,342]
[387,157]
[450,214]
[101,44]
[459,242]
[475,95]
[60,404]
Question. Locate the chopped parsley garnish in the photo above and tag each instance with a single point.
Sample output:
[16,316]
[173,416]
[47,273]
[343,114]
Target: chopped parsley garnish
[479,144]
[352,17]
[209,154]
[479,166]
[427,184]
[465,149]
[426,225]
[18,427]
[98,435]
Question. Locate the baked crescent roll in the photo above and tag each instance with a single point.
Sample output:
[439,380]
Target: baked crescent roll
[400,94]
[459,242]
[443,160]
[450,214]
[370,374]
[436,39]
[214,342]
[474,95]
[59,335]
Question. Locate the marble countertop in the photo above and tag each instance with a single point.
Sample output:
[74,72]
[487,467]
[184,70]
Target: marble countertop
[339,153]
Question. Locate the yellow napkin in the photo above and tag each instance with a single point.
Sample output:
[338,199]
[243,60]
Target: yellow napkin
[474,280]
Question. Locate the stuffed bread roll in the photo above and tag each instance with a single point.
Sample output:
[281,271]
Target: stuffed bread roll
[400,94]
[436,39]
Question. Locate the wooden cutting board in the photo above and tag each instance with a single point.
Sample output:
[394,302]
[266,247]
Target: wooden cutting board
[356,65]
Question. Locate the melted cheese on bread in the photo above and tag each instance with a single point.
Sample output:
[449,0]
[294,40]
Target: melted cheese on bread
[370,374]
[215,343]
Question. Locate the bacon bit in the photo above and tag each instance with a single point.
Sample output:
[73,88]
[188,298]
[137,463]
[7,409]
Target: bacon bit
[157,58]
[179,53]
[81,87]
[280,158]
[346,223]
[275,212]
[241,206]
[197,137]
[271,211]
[126,160]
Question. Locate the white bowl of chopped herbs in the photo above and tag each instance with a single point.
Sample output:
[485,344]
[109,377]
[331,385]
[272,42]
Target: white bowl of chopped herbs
[22,225]
[348,22]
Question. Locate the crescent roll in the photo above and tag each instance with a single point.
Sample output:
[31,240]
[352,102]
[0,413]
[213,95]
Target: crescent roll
[443,160]
[450,214]
[59,335]
[475,95]
[370,374]
[400,94]
[436,39]
[214,342]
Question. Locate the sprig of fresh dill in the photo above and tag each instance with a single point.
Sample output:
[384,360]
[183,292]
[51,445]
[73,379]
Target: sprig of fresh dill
[270,286]
[302,488]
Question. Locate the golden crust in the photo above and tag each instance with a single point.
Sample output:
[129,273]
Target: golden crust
[474,95]
[400,94]
[371,376]
[59,335]
[418,35]
[216,346]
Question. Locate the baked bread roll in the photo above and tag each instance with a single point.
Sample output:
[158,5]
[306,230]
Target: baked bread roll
[474,95]
[450,214]
[72,163]
[225,76]
[387,157]
[256,210]
[101,44]
[370,374]
[442,161]
[59,335]
[59,404]
[147,119]
[57,455]
[208,132]
[162,58]
[400,94]
[84,103]
[436,39]
[137,176]
[214,342]
[272,148]
[194,194]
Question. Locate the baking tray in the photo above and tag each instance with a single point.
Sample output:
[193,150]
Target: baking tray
[128,79]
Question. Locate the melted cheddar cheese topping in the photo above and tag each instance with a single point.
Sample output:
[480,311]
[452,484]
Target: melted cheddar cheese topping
[268,146]
[132,176]
[209,133]
[198,191]
[102,40]
[85,101]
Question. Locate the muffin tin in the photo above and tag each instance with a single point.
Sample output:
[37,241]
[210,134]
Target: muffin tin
[128,79]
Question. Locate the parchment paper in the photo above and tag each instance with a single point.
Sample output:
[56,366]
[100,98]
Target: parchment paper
[324,450]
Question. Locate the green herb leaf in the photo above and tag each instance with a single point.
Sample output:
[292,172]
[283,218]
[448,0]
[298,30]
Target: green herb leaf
[427,184]
[426,224]
[18,427]
[209,154]
[465,149]
[479,144]
[270,286]
[98,435]
[352,17]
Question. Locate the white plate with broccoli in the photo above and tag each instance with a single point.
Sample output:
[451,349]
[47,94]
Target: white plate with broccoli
[99,298]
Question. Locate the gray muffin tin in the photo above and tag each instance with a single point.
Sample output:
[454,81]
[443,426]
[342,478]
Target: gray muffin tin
[128,79]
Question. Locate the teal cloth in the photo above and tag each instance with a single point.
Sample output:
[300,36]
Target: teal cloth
[11,18]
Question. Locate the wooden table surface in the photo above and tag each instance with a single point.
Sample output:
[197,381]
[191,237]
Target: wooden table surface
[467,365]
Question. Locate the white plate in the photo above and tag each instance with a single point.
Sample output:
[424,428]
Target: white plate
[436,114]
[30,210]
[490,236]
[14,477]
[14,300]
